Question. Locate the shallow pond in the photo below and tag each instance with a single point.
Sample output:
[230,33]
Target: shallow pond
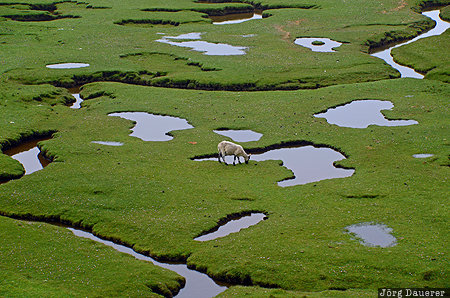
[208,48]
[29,155]
[240,135]
[308,163]
[197,284]
[318,44]
[150,127]
[233,226]
[67,65]
[361,114]
[236,18]
[372,234]
[406,72]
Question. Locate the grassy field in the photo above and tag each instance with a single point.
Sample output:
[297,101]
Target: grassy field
[153,197]
[105,38]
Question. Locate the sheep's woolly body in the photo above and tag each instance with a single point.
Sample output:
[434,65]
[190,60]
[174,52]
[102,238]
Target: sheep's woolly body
[229,148]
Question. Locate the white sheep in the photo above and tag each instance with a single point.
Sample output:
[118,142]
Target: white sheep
[229,148]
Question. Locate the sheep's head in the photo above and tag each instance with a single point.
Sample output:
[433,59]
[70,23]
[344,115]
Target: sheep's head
[248,157]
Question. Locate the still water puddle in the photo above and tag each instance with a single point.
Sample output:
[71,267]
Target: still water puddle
[308,163]
[371,234]
[361,114]
[318,44]
[406,72]
[208,48]
[67,65]
[240,135]
[150,127]
[29,155]
[197,284]
[236,18]
[233,226]
[107,143]
[423,155]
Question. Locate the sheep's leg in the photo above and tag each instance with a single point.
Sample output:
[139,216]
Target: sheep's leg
[223,157]
[234,160]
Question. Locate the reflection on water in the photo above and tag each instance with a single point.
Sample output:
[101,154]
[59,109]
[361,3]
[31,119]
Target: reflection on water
[29,155]
[67,65]
[197,284]
[373,234]
[240,135]
[406,72]
[323,44]
[233,226]
[308,163]
[151,127]
[208,48]
[361,114]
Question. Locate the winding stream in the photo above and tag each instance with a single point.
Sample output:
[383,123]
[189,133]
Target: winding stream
[407,72]
[197,284]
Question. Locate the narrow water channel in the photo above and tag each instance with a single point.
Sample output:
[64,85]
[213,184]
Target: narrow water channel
[233,226]
[75,91]
[407,72]
[197,285]
[236,18]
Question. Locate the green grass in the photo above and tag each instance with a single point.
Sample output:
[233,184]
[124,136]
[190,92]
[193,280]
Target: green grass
[47,261]
[154,197]
[96,38]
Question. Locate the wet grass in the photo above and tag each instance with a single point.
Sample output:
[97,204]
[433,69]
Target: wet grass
[152,196]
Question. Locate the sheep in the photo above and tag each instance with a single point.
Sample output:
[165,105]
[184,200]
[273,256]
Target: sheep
[229,148]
